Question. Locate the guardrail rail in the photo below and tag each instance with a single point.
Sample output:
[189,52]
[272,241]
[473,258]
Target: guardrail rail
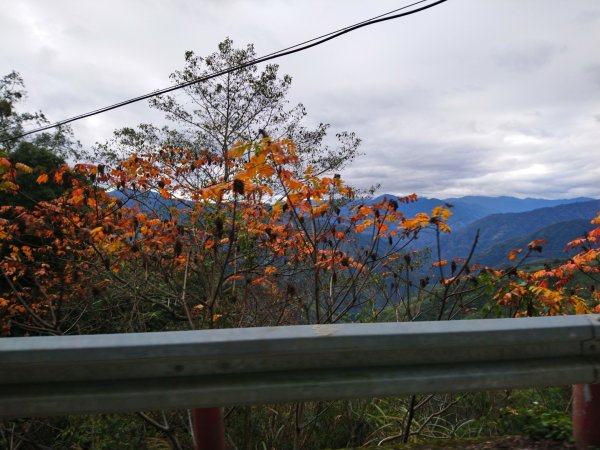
[43,376]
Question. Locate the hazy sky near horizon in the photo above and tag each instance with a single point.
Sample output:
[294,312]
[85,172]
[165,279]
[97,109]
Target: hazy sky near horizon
[471,97]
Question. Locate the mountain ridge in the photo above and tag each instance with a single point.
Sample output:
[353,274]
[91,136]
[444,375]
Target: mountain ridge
[496,229]
[557,236]
[507,204]
[468,209]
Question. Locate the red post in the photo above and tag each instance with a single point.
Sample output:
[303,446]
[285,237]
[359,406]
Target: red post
[209,431]
[586,415]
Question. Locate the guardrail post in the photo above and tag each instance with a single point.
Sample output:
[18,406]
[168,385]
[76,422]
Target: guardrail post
[209,430]
[586,415]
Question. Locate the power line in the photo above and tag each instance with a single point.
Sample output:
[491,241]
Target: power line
[284,52]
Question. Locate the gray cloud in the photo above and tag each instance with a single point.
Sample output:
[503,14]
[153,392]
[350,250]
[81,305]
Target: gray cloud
[527,56]
[594,73]
[589,16]
[470,97]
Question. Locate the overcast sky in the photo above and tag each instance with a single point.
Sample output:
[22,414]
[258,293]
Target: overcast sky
[472,97]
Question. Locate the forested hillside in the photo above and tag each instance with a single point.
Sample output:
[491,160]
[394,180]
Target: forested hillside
[498,232]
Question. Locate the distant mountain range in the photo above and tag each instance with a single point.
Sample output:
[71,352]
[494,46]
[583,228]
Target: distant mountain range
[511,204]
[498,233]
[468,209]
[150,202]
[504,223]
[557,235]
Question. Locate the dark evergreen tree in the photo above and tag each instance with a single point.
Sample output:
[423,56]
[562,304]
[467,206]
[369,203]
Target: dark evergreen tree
[44,151]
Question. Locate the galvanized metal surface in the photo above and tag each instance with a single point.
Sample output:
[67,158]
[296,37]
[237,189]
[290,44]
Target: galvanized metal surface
[75,374]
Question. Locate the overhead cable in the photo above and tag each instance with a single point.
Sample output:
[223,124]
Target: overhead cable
[286,51]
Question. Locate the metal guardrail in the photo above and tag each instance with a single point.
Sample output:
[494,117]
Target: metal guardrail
[41,376]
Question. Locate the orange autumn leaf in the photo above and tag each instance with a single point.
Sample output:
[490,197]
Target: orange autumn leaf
[537,244]
[238,150]
[444,227]
[270,270]
[42,179]
[408,198]
[449,281]
[512,255]
[575,243]
[293,184]
[441,212]
[260,280]
[23,168]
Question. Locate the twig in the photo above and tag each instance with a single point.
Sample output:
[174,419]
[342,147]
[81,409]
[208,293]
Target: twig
[166,429]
